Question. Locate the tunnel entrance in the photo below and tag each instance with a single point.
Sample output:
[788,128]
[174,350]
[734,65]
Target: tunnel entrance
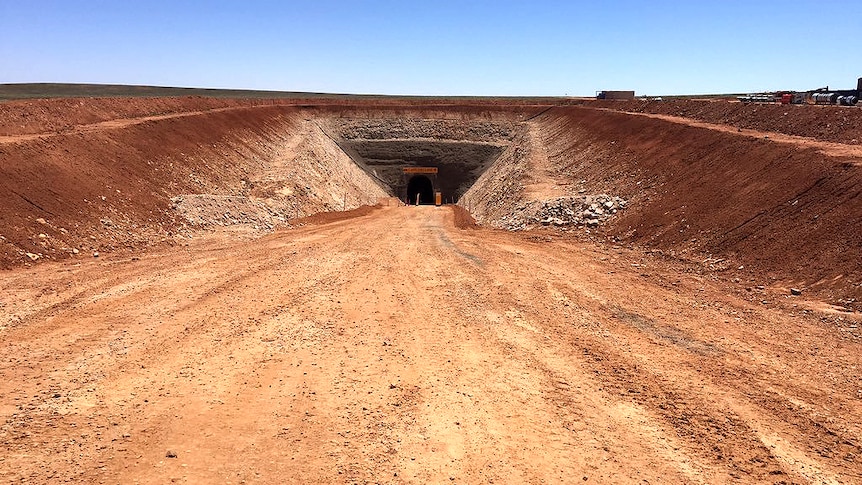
[420,185]
[457,164]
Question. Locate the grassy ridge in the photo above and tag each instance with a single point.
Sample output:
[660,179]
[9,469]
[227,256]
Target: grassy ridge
[64,90]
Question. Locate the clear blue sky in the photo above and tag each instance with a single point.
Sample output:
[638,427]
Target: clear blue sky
[436,47]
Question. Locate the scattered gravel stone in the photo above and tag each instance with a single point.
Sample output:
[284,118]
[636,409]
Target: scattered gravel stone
[170,454]
[582,210]
[795,291]
[207,210]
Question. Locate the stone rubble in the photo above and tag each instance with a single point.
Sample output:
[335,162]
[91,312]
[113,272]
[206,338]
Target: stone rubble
[579,211]
[212,210]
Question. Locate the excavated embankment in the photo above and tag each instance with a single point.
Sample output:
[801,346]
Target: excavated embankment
[135,182]
[825,123]
[787,211]
[753,208]
[128,177]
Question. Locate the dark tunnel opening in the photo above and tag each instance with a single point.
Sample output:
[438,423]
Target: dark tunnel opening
[420,185]
[459,163]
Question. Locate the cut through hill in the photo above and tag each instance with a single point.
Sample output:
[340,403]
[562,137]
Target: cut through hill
[213,291]
[105,181]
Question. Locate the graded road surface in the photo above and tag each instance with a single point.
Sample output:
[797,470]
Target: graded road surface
[397,348]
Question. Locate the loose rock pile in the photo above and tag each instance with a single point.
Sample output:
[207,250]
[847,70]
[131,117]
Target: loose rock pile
[584,210]
[214,210]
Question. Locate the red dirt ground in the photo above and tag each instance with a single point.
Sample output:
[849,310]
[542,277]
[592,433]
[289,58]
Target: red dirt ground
[388,345]
[396,348]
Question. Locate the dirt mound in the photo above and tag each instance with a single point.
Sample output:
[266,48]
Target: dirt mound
[463,219]
[329,217]
[785,212]
[53,115]
[115,187]
[826,123]
[706,194]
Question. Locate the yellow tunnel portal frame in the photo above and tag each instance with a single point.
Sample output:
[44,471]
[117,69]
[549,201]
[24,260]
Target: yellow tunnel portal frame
[427,195]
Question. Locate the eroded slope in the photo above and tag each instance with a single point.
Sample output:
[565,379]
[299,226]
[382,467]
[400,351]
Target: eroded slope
[760,210]
[133,183]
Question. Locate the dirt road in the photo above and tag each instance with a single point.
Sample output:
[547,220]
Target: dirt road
[396,348]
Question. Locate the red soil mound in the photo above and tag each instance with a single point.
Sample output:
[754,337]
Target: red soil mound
[789,212]
[52,115]
[330,217]
[463,219]
[826,123]
[111,189]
